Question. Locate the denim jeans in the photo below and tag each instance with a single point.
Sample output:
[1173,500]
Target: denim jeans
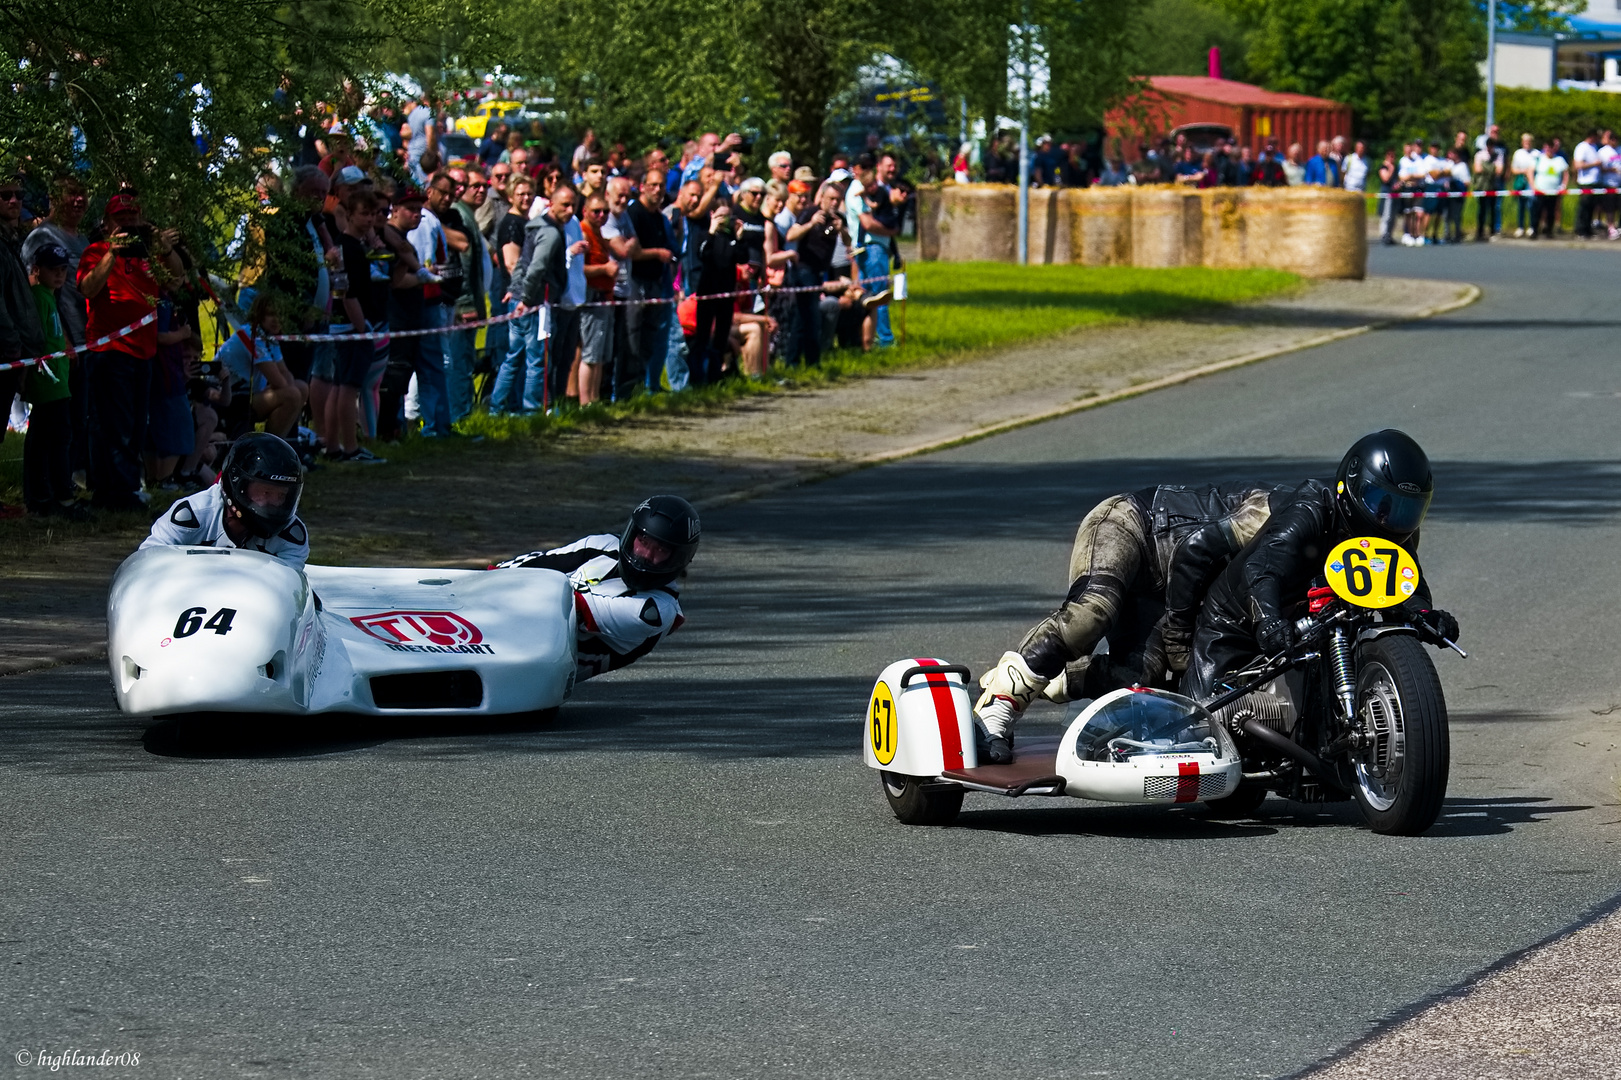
[675,355]
[512,381]
[432,400]
[459,359]
[875,264]
[497,335]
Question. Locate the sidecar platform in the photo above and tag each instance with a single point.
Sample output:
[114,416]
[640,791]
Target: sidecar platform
[1033,770]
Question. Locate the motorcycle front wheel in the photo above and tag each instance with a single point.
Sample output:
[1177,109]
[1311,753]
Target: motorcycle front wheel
[1400,775]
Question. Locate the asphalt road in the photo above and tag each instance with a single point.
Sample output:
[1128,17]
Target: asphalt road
[692,874]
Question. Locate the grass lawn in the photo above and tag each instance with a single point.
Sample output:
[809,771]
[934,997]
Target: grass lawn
[956,309]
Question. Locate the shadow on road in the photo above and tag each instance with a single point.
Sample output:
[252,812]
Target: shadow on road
[1064,817]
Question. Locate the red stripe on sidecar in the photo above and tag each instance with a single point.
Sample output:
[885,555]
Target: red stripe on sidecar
[1187,781]
[945,714]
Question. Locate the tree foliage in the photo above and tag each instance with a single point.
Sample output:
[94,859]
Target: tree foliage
[182,99]
[1404,66]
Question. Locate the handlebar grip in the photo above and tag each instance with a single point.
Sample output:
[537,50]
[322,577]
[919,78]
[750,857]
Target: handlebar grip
[935,669]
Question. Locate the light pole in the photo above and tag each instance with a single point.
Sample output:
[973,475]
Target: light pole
[1491,64]
[1024,140]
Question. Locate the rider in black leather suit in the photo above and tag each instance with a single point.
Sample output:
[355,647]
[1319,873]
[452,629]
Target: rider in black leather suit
[1138,571]
[1382,489]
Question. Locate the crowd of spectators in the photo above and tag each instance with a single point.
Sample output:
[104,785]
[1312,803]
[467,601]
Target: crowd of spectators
[1170,160]
[562,279]
[1427,192]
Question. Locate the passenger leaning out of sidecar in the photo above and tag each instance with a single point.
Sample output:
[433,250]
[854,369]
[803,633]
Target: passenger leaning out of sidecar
[626,588]
[253,505]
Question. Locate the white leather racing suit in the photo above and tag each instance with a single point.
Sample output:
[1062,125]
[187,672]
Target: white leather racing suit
[618,624]
[198,520]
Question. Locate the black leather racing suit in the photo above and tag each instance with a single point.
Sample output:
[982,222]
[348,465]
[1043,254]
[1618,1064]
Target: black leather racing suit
[1269,578]
[1133,553]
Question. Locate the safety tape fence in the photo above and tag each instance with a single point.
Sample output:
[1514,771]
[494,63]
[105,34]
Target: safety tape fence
[73,350]
[1494,194]
[474,324]
[383,335]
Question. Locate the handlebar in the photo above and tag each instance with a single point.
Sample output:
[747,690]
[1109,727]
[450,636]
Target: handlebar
[935,669]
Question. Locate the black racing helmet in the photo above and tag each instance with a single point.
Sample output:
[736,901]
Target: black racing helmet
[659,541]
[1384,485]
[262,478]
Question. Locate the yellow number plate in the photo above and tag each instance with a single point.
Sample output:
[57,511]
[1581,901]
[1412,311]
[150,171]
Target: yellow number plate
[1371,573]
[881,725]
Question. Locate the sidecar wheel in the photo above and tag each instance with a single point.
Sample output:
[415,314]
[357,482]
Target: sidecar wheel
[1244,801]
[917,801]
[1400,780]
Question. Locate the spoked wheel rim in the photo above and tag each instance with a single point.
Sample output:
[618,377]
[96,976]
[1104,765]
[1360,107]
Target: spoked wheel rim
[1379,765]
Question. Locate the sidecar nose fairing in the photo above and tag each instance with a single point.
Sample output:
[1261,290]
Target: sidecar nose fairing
[226,630]
[1147,746]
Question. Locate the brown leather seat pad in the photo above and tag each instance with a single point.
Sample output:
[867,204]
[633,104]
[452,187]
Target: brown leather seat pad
[1034,758]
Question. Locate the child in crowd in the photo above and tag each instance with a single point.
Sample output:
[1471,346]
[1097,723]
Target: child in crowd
[47,465]
[258,373]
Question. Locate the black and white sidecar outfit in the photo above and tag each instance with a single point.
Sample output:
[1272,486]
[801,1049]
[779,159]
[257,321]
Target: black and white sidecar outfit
[1128,746]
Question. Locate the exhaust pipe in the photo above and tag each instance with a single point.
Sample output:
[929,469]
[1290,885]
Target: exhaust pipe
[1289,748]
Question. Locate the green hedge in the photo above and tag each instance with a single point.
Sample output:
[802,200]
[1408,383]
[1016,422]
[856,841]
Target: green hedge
[1568,114]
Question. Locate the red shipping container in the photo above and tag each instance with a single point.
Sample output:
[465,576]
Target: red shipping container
[1204,108]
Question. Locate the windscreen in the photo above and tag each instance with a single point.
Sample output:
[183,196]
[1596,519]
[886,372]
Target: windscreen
[1146,723]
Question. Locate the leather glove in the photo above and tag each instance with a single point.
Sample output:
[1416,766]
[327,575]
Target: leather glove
[1177,639]
[1440,623]
[1275,634]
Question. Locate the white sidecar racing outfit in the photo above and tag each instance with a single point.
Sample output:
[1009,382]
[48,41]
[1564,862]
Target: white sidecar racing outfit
[617,624]
[198,520]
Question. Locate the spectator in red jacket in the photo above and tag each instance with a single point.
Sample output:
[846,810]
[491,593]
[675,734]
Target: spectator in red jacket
[116,278]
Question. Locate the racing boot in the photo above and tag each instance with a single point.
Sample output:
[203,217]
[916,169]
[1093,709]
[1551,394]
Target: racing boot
[1009,688]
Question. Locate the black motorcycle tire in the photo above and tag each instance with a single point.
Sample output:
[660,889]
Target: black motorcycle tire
[1245,800]
[918,801]
[1410,804]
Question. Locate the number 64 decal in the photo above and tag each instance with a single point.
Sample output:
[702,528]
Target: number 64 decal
[191,621]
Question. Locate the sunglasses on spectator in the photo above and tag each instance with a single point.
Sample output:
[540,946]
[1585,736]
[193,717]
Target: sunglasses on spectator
[477,187]
[603,210]
[11,193]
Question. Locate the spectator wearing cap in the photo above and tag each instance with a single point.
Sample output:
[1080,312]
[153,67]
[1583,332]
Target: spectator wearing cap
[751,223]
[863,201]
[781,164]
[62,228]
[337,150]
[116,277]
[47,449]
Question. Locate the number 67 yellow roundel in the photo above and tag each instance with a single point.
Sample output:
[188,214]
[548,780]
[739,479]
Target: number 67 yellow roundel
[1371,573]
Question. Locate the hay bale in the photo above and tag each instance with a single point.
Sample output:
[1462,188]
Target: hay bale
[1311,231]
[1167,226]
[978,221]
[1099,225]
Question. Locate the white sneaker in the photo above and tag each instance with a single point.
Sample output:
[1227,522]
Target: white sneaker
[1519,234]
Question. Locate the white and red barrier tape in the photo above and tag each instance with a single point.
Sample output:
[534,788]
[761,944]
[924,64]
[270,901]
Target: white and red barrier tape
[1490,194]
[474,324]
[147,320]
[71,350]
